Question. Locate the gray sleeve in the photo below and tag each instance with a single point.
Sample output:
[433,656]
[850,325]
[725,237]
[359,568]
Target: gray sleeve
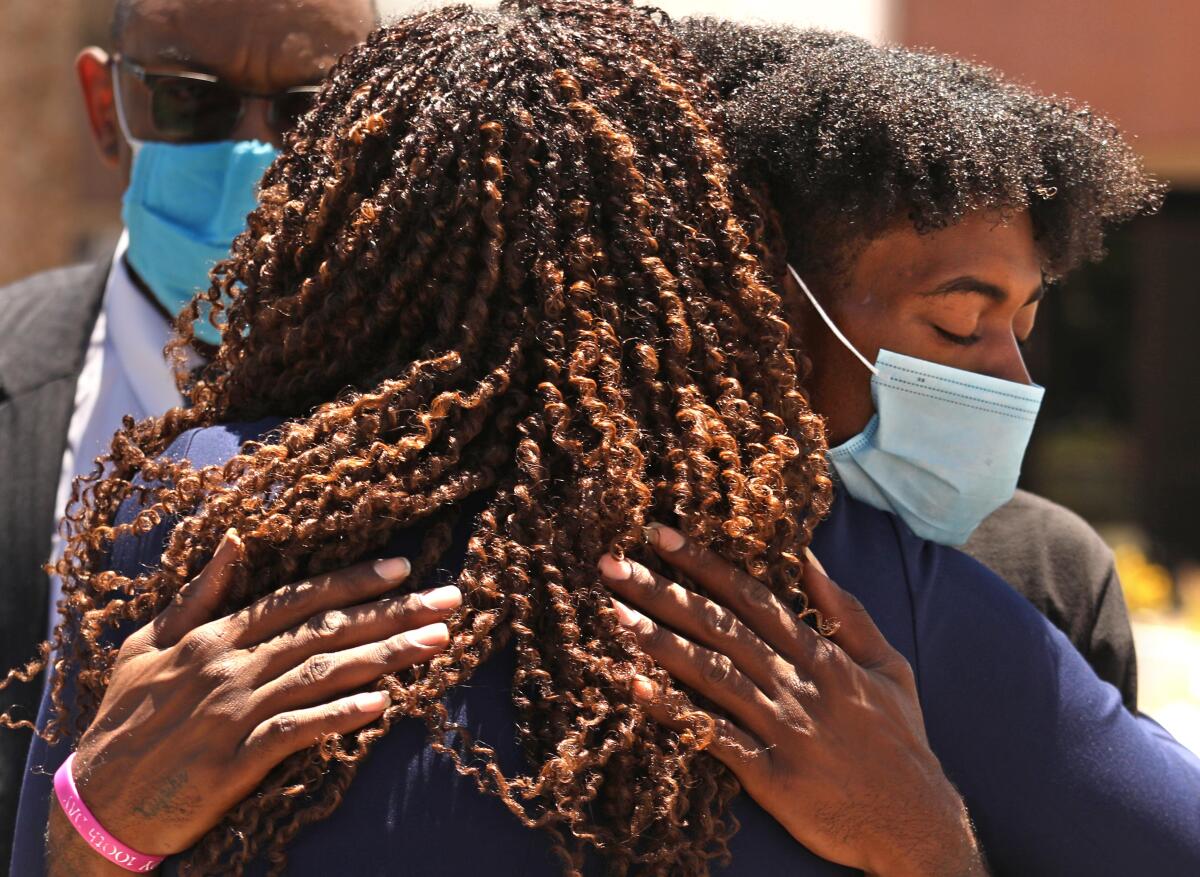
[1111,649]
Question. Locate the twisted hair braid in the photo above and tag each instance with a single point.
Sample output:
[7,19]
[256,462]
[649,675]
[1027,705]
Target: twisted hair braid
[504,256]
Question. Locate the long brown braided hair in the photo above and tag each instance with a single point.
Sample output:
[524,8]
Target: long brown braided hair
[504,256]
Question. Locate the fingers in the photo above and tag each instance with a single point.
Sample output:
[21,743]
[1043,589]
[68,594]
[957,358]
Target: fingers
[279,736]
[733,747]
[295,603]
[710,673]
[328,674]
[695,617]
[368,624]
[856,632]
[754,604]
[199,600]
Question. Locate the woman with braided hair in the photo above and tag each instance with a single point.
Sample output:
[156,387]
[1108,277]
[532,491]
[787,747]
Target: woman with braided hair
[351,611]
[497,312]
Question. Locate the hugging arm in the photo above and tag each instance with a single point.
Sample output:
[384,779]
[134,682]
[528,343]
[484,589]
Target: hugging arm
[201,706]
[826,735]
[1059,776]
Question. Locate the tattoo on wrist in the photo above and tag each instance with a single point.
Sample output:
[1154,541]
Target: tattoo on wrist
[165,802]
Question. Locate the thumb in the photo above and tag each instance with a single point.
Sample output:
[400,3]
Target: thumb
[856,633]
[199,600]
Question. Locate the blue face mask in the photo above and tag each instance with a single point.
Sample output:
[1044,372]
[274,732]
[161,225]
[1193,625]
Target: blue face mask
[184,206]
[944,448]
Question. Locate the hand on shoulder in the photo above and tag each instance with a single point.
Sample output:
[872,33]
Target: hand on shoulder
[201,706]
[825,733]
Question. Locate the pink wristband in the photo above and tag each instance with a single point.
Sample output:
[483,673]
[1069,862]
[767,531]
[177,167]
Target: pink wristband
[91,830]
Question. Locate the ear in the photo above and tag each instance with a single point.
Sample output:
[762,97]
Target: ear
[96,82]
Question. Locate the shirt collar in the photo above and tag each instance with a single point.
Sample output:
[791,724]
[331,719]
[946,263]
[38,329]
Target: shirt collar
[138,334]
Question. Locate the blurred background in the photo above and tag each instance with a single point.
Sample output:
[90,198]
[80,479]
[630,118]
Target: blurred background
[1119,435]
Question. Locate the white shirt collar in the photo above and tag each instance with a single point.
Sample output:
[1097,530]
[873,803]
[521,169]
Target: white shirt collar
[138,334]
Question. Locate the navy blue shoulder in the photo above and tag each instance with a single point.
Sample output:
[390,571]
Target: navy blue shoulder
[1058,776]
[133,555]
[213,445]
[923,596]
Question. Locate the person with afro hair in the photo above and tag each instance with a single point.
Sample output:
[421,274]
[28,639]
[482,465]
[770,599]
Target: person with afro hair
[929,203]
[499,326]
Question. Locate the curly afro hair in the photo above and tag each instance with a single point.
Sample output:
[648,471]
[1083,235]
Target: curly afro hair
[848,137]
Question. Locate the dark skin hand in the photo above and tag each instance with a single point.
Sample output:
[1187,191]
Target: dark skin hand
[826,734]
[964,296]
[200,707]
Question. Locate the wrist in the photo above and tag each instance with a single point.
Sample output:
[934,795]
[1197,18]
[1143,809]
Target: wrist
[69,855]
[106,783]
[94,832]
[939,843]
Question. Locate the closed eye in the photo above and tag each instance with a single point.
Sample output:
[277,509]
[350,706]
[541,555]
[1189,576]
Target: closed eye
[960,340]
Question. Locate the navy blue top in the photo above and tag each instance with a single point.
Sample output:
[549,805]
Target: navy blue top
[1059,778]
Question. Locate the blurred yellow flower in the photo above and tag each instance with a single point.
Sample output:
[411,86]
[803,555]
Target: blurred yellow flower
[1147,585]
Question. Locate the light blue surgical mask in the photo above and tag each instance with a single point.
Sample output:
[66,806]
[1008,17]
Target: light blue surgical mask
[945,446]
[184,206]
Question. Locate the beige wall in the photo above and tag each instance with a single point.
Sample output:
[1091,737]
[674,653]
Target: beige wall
[1138,62]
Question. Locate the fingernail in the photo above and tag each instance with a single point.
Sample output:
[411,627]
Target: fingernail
[431,635]
[643,689]
[448,597]
[628,617]
[394,569]
[371,701]
[812,558]
[617,570]
[229,540]
[664,537]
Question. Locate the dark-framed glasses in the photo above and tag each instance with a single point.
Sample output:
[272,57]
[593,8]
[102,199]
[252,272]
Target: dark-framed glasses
[187,107]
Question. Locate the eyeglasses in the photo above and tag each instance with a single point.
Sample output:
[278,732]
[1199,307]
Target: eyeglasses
[188,107]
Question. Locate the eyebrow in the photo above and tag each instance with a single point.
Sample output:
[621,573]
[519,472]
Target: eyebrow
[973,285]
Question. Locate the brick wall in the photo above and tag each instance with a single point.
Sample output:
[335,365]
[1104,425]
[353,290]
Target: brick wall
[1136,62]
[38,173]
[58,204]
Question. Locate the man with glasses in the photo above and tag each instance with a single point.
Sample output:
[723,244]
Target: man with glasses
[189,107]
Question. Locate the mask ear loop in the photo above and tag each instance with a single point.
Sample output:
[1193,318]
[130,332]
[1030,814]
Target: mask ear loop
[828,322]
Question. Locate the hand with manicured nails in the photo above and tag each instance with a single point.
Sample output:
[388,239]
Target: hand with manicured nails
[826,734]
[200,708]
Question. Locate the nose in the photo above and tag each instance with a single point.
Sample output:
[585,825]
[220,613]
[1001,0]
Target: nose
[1010,365]
[253,124]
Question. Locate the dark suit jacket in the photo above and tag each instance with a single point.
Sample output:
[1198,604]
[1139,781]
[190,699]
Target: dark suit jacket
[45,324]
